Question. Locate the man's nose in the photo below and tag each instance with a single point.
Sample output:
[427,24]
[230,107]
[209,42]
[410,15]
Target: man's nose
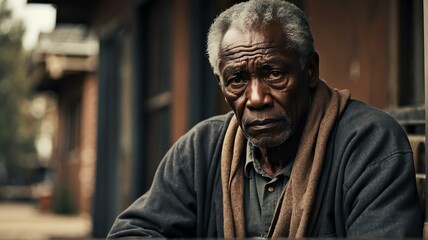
[258,95]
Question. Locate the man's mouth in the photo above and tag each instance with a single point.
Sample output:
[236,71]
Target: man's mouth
[261,124]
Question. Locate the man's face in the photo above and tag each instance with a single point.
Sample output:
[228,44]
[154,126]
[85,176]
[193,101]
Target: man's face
[263,82]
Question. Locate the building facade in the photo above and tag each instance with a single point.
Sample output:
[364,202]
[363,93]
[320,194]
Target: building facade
[63,64]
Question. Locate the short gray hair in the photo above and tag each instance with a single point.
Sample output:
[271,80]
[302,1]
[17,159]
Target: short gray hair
[259,13]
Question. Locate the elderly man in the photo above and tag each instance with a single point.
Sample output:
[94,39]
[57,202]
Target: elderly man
[296,158]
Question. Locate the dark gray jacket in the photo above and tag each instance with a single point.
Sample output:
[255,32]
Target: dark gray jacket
[367,187]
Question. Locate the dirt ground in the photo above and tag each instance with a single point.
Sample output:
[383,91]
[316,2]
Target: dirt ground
[26,221]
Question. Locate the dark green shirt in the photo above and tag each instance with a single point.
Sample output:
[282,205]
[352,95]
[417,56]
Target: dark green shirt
[262,193]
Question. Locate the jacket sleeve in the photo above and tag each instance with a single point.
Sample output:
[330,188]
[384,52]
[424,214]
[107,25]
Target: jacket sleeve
[167,209]
[181,200]
[379,189]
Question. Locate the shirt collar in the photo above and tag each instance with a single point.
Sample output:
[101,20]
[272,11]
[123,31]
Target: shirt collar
[251,161]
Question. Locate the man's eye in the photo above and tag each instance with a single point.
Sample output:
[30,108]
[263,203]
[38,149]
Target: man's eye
[235,81]
[274,75]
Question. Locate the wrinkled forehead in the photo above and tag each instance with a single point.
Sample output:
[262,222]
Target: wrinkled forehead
[237,35]
[238,43]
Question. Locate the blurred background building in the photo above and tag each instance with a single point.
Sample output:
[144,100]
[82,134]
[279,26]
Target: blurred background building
[64,64]
[129,77]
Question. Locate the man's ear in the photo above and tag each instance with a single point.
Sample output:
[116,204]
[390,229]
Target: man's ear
[312,69]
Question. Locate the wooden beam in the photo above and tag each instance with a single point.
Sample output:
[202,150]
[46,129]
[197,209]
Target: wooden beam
[425,6]
[180,71]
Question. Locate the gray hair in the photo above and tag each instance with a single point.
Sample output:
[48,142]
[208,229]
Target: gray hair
[260,13]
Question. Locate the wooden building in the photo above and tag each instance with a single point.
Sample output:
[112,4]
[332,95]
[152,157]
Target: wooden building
[63,63]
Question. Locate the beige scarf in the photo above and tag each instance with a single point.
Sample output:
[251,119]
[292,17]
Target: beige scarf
[292,215]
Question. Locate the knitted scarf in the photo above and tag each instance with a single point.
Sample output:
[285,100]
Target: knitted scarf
[294,209]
